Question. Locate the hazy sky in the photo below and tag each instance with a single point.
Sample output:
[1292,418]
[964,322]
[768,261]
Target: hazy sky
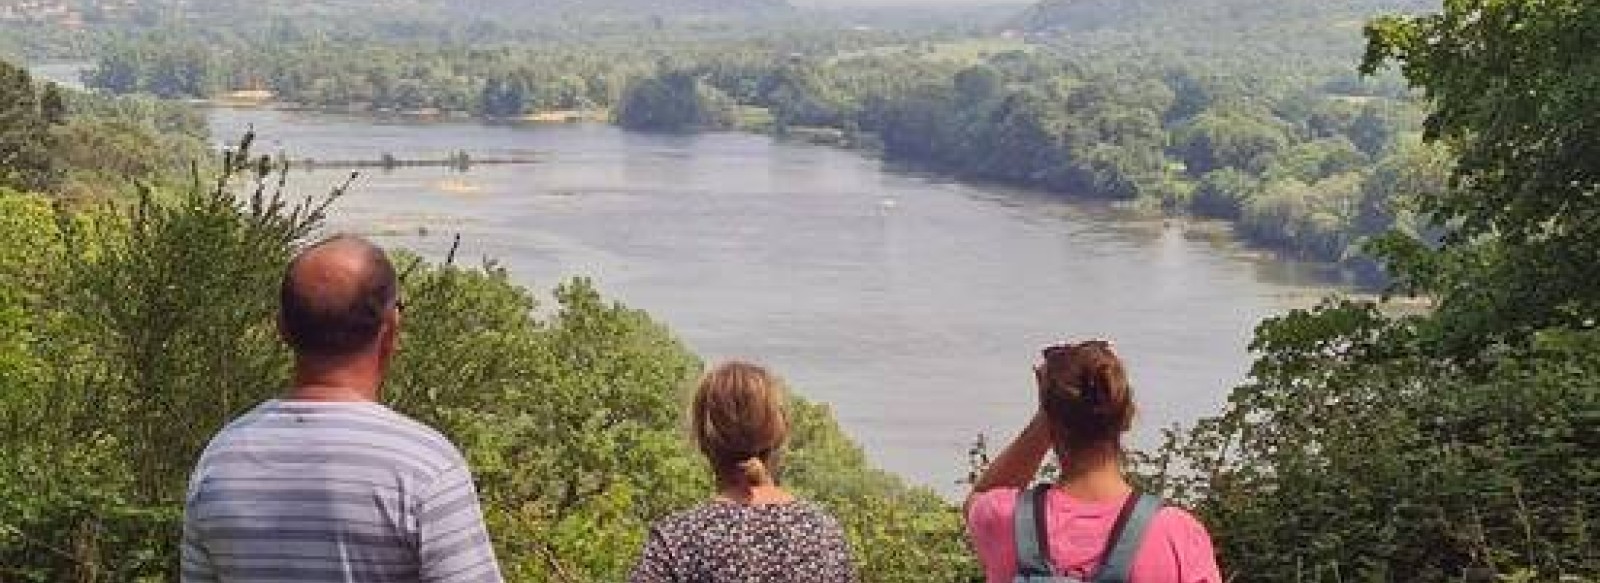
[908,3]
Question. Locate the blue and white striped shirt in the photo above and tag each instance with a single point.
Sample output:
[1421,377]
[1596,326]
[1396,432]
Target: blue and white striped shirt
[314,492]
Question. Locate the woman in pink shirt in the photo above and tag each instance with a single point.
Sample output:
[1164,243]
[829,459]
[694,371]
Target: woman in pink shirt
[1085,406]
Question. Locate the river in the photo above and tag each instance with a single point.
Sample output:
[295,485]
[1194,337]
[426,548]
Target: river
[912,304]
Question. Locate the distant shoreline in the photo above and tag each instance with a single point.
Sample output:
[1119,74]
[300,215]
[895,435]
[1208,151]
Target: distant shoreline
[265,100]
[1194,226]
[829,137]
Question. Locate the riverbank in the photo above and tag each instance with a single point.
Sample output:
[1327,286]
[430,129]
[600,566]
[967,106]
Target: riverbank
[854,278]
[1357,271]
[1351,265]
[266,100]
[1287,217]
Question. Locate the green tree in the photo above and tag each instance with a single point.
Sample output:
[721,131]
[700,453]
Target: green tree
[1318,159]
[1449,444]
[52,104]
[25,143]
[1355,454]
[916,126]
[977,84]
[1513,87]
[1372,131]
[800,95]
[1019,139]
[673,101]
[1225,139]
[1225,193]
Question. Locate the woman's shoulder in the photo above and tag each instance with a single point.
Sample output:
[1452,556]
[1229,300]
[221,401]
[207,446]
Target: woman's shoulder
[814,512]
[721,512]
[1185,538]
[992,505]
[989,517]
[1182,542]
[690,518]
[997,507]
[1176,521]
[806,507]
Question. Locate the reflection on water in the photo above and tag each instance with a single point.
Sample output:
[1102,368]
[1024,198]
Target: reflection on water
[912,304]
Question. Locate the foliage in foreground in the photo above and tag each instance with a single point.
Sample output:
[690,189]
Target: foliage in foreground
[129,335]
[1459,444]
[1355,453]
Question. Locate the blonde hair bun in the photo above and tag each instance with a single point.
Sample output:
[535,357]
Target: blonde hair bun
[739,421]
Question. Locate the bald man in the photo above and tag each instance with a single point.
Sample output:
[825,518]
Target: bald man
[326,484]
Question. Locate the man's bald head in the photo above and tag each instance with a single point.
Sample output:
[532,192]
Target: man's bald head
[334,297]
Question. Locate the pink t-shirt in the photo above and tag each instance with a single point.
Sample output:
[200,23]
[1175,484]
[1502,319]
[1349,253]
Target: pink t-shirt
[1176,548]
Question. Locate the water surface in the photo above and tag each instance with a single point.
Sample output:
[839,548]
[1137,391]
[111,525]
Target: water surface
[913,305]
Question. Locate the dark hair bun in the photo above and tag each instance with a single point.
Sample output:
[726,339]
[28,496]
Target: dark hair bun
[1084,392]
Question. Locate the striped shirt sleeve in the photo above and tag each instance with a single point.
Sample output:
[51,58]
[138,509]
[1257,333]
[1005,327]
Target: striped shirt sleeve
[196,562]
[453,543]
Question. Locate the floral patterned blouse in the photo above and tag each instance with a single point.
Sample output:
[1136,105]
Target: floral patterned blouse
[727,542]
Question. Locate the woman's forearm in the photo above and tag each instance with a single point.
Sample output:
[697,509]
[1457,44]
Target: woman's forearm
[1019,462]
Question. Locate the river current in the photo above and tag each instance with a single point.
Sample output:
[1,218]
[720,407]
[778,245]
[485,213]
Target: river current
[912,304]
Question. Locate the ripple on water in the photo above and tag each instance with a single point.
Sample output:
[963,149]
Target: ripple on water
[918,323]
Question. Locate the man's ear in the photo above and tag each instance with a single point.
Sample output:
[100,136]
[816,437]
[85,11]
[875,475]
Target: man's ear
[390,336]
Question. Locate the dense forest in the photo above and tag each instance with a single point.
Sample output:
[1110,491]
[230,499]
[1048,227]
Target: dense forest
[1304,165]
[1184,19]
[1449,445]
[79,29]
[1455,443]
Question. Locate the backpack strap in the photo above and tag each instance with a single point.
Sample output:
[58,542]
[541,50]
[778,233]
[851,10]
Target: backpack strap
[1126,537]
[1028,523]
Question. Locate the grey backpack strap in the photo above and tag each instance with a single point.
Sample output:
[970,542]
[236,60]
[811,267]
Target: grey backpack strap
[1033,557]
[1126,537]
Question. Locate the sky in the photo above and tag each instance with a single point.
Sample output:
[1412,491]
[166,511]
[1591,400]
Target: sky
[907,3]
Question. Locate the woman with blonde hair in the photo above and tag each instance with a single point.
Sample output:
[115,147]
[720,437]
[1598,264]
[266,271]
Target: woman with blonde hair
[1090,525]
[752,530]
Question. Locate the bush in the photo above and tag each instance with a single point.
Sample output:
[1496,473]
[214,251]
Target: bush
[149,327]
[674,101]
[1353,453]
[1224,193]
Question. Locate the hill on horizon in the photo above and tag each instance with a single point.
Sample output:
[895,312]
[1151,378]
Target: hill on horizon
[662,8]
[504,11]
[1289,29]
[1089,15]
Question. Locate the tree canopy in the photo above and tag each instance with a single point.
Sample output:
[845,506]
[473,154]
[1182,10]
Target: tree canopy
[1513,89]
[27,112]
[1451,444]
